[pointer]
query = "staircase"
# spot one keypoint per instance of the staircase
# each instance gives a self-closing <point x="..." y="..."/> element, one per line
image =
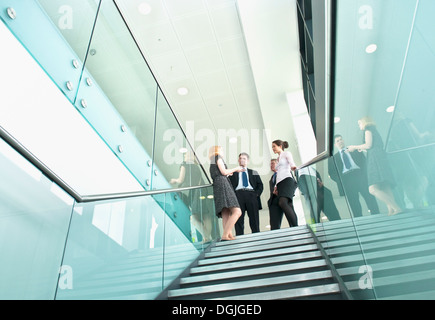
<point x="399" y="252"/>
<point x="279" y="264"/>
<point x="323" y="261"/>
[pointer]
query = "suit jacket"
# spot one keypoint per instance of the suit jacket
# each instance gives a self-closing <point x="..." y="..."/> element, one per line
<point x="254" y="180"/>
<point x="335" y="173"/>
<point x="271" y="188"/>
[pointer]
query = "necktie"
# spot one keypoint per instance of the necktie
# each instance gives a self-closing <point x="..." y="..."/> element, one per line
<point x="346" y="159"/>
<point x="245" y="179"/>
<point x="274" y="178"/>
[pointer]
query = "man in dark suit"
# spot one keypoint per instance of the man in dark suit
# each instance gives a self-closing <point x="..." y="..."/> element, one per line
<point x="275" y="211"/>
<point x="248" y="187"/>
<point x="351" y="170"/>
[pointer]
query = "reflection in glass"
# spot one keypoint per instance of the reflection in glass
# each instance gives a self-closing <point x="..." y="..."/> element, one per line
<point x="349" y="171"/>
<point x="391" y="85"/>
<point x="173" y="155"/>
<point x="34" y="219"/>
<point x="133" y="248"/>
<point x="318" y="197"/>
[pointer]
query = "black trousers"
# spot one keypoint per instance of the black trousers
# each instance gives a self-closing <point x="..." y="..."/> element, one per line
<point x="276" y="214"/>
<point x="248" y="202"/>
<point x="354" y="185"/>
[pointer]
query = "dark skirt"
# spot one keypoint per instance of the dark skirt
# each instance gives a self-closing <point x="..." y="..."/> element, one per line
<point x="286" y="188"/>
<point x="224" y="195"/>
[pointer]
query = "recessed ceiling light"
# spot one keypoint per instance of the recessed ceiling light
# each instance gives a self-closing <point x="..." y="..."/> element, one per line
<point x="337" y="119"/>
<point x="182" y="91"/>
<point x="144" y="8"/>
<point x="183" y="150"/>
<point x="371" y="48"/>
<point x="391" y="109"/>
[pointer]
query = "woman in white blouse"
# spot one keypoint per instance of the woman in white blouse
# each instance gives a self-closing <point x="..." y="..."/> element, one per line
<point x="285" y="185"/>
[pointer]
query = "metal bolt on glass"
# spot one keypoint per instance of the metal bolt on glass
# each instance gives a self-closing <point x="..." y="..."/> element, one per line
<point x="75" y="64"/>
<point x="11" y="13"/>
<point x="83" y="103"/>
<point x="69" y="86"/>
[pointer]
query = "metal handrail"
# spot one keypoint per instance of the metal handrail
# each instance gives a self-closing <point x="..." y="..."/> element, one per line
<point x="114" y="196"/>
<point x="23" y="151"/>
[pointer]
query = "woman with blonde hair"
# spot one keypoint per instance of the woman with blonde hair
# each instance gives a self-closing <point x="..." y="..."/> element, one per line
<point x="226" y="203"/>
<point x="379" y="173"/>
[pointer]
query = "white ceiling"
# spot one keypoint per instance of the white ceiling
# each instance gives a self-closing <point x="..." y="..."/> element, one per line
<point x="238" y="60"/>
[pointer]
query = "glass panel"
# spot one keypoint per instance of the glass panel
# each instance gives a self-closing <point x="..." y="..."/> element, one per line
<point x="386" y="85"/>
<point x="34" y="219"/>
<point x="41" y="119"/>
<point x="115" y="250"/>
<point x="74" y="19"/>
<point x="133" y="248"/>
<point x="175" y="164"/>
<point x="327" y="209"/>
<point x="123" y="89"/>
<point x="40" y="34"/>
<point x="181" y="248"/>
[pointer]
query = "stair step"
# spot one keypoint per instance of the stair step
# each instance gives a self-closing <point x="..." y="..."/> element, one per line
<point x="251" y="284"/>
<point x="258" y="254"/>
<point x="276" y="245"/>
<point x="255" y="262"/>
<point x="259" y="271"/>
<point x="249" y="238"/>
<point x="262" y="242"/>
<point x="313" y="291"/>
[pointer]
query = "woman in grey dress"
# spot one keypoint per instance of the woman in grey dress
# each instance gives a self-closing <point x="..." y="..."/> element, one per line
<point x="379" y="174"/>
<point x="226" y="203"/>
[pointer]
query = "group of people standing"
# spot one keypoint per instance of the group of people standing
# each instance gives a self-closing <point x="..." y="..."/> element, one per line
<point x="239" y="189"/>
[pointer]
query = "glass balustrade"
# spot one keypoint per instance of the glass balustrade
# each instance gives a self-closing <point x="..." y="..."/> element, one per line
<point x="34" y="220"/>
<point x="91" y="113"/>
<point x="380" y="181"/>
<point x="134" y="248"/>
<point x="55" y="248"/>
<point x="111" y="87"/>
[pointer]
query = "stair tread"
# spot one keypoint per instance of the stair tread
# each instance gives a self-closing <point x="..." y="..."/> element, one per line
<point x="288" y="293"/>
<point x="253" y="272"/>
<point x="282" y="280"/>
